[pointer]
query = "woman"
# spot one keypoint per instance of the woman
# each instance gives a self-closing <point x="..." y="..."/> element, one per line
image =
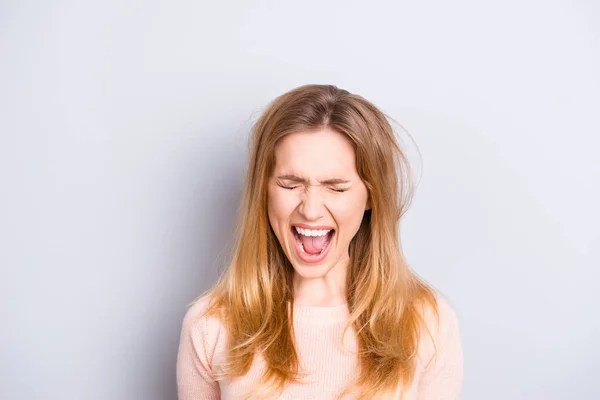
<point x="318" y="301"/>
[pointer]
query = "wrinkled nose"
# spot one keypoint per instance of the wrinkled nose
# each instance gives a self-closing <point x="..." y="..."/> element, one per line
<point x="312" y="205"/>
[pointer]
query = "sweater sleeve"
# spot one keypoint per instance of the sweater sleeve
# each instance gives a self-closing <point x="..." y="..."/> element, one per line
<point x="442" y="378"/>
<point x="194" y="358"/>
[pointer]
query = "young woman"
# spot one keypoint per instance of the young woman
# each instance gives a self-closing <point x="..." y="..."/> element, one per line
<point x="318" y="301"/>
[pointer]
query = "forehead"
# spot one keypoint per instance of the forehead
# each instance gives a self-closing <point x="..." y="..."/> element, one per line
<point x="315" y="154"/>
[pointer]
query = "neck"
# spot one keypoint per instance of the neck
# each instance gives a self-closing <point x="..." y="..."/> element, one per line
<point x="323" y="291"/>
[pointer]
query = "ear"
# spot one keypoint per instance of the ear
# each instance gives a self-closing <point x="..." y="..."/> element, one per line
<point x="368" y="206"/>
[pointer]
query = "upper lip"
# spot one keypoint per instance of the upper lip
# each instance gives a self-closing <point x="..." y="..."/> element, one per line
<point x="320" y="227"/>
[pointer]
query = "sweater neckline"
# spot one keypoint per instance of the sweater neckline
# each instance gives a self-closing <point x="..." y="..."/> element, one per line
<point x="321" y="314"/>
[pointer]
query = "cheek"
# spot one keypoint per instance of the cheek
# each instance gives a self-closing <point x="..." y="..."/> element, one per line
<point x="349" y="215"/>
<point x="280" y="207"/>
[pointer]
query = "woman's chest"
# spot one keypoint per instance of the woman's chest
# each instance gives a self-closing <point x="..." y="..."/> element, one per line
<point x="326" y="363"/>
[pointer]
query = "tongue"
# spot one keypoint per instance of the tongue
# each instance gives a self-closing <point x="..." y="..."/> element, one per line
<point x="313" y="244"/>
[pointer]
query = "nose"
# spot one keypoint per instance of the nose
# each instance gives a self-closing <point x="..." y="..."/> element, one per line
<point x="312" y="205"/>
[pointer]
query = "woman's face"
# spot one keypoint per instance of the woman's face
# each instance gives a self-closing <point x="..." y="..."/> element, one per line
<point x="316" y="200"/>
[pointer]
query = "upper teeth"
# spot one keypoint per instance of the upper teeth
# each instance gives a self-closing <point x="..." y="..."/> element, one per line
<point x="312" y="232"/>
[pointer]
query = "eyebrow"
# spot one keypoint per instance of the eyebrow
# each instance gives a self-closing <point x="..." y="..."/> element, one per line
<point x="294" y="178"/>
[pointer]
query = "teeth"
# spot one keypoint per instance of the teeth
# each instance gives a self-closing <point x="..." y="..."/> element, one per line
<point x="312" y="232"/>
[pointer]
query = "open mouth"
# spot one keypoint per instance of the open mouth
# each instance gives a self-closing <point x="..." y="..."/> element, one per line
<point x="312" y="245"/>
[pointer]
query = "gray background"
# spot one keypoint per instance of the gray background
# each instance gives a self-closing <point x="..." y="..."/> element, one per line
<point x="122" y="152"/>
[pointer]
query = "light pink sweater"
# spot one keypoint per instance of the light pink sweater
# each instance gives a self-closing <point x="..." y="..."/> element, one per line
<point x="331" y="368"/>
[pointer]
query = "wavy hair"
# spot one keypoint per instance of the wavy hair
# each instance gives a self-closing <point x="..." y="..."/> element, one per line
<point x="386" y="299"/>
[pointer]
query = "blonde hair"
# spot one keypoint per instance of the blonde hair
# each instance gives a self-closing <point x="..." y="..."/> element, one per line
<point x="386" y="299"/>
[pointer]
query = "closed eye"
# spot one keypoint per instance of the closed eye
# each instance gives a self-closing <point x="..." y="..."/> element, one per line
<point x="287" y="187"/>
<point x="294" y="187"/>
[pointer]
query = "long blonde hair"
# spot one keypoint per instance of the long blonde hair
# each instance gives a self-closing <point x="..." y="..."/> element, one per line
<point x="385" y="298"/>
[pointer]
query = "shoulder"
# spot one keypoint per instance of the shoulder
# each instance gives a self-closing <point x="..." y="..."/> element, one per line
<point x="197" y="316"/>
<point x="444" y="319"/>
<point x="441" y="335"/>
<point x="439" y="371"/>
<point x="203" y="330"/>
<point x="197" y="309"/>
<point x="200" y="343"/>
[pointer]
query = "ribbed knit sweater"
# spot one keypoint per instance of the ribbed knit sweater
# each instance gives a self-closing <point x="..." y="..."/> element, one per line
<point x="330" y="367"/>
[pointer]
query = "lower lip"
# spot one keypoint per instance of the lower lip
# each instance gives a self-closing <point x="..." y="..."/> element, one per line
<point x="307" y="258"/>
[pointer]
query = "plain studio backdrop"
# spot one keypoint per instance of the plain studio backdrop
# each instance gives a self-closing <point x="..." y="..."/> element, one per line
<point x="123" y="130"/>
